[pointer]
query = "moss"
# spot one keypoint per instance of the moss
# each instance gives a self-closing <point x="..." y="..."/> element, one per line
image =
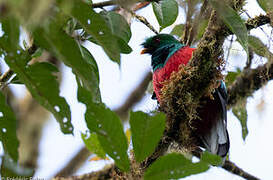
<point x="181" y="95"/>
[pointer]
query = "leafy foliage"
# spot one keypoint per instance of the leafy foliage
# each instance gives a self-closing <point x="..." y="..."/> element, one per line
<point x="174" y="166"/>
<point x="178" y="30"/>
<point x="43" y="85"/>
<point x="202" y="25"/>
<point x="233" y="21"/>
<point x="241" y="113"/>
<point x="258" y="47"/>
<point x="119" y="26"/>
<point x="8" y="129"/>
<point x="108" y="128"/>
<point x="53" y="39"/>
<point x="100" y="29"/>
<point x="211" y="159"/>
<point x="266" y="5"/>
<point x="38" y="78"/>
<point x="93" y="145"/>
<point x="146" y="133"/>
<point x="166" y="12"/>
<point x="231" y="76"/>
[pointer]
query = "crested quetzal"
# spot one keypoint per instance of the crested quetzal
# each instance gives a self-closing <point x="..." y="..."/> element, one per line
<point x="167" y="55"/>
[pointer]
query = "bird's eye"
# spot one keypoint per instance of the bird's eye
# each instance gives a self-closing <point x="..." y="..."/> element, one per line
<point x="157" y="40"/>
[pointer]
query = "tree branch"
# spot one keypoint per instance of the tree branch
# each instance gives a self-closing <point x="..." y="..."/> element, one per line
<point x="135" y="96"/>
<point x="5" y="77"/>
<point x="248" y="82"/>
<point x="112" y="172"/>
<point x="257" y="21"/>
<point x="75" y="163"/>
<point x="231" y="167"/>
<point x="104" y="3"/>
<point x="108" y="172"/>
<point x="114" y="2"/>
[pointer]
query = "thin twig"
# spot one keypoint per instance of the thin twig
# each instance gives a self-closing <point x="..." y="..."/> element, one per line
<point x="230" y="46"/>
<point x="188" y="25"/>
<point x="140" y="6"/>
<point x="250" y="58"/>
<point x="144" y="21"/>
<point x="197" y="21"/>
<point x="75" y="163"/>
<point x="6" y="76"/>
<point x="112" y="172"/>
<point x="114" y="2"/>
<point x="134" y="97"/>
<point x="230" y="167"/>
<point x="103" y="4"/>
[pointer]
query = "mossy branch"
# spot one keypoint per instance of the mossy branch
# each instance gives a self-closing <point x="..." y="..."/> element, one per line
<point x="248" y="82"/>
<point x="112" y="172"/>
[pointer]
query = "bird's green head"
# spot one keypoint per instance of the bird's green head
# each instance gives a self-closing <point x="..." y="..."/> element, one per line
<point x="155" y="42"/>
<point x="161" y="47"/>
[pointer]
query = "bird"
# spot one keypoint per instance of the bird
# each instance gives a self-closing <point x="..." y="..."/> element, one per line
<point x="167" y="54"/>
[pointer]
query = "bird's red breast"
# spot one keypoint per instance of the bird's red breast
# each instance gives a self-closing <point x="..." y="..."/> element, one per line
<point x="182" y="56"/>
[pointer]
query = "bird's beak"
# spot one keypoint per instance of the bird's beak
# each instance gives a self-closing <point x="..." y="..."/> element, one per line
<point x="145" y="50"/>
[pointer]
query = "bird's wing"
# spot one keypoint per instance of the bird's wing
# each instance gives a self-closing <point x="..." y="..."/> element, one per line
<point x="216" y="139"/>
<point x="154" y="96"/>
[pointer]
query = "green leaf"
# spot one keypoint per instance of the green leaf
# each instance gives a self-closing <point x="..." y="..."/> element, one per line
<point x="202" y="25"/>
<point x="231" y="76"/>
<point x="173" y="166"/>
<point x="93" y="145"/>
<point x="40" y="80"/>
<point x="10" y="39"/>
<point x="108" y="127"/>
<point x="119" y="26"/>
<point x="87" y="56"/>
<point x="37" y="53"/>
<point x="15" y="80"/>
<point x="233" y="21"/>
<point x="12" y="169"/>
<point x="166" y="12"/>
<point x="124" y="48"/>
<point x="259" y="47"/>
<point x="241" y="113"/>
<point x="178" y="30"/>
<point x="8" y="129"/>
<point x="266" y="5"/>
<point x="98" y="27"/>
<point x="72" y="54"/>
<point x="146" y="133"/>
<point x="212" y="159"/>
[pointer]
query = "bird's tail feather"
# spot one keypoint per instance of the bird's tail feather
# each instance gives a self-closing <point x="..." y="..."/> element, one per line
<point x="217" y="140"/>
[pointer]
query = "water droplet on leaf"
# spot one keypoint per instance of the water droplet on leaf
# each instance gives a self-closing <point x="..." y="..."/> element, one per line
<point x="57" y="108"/>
